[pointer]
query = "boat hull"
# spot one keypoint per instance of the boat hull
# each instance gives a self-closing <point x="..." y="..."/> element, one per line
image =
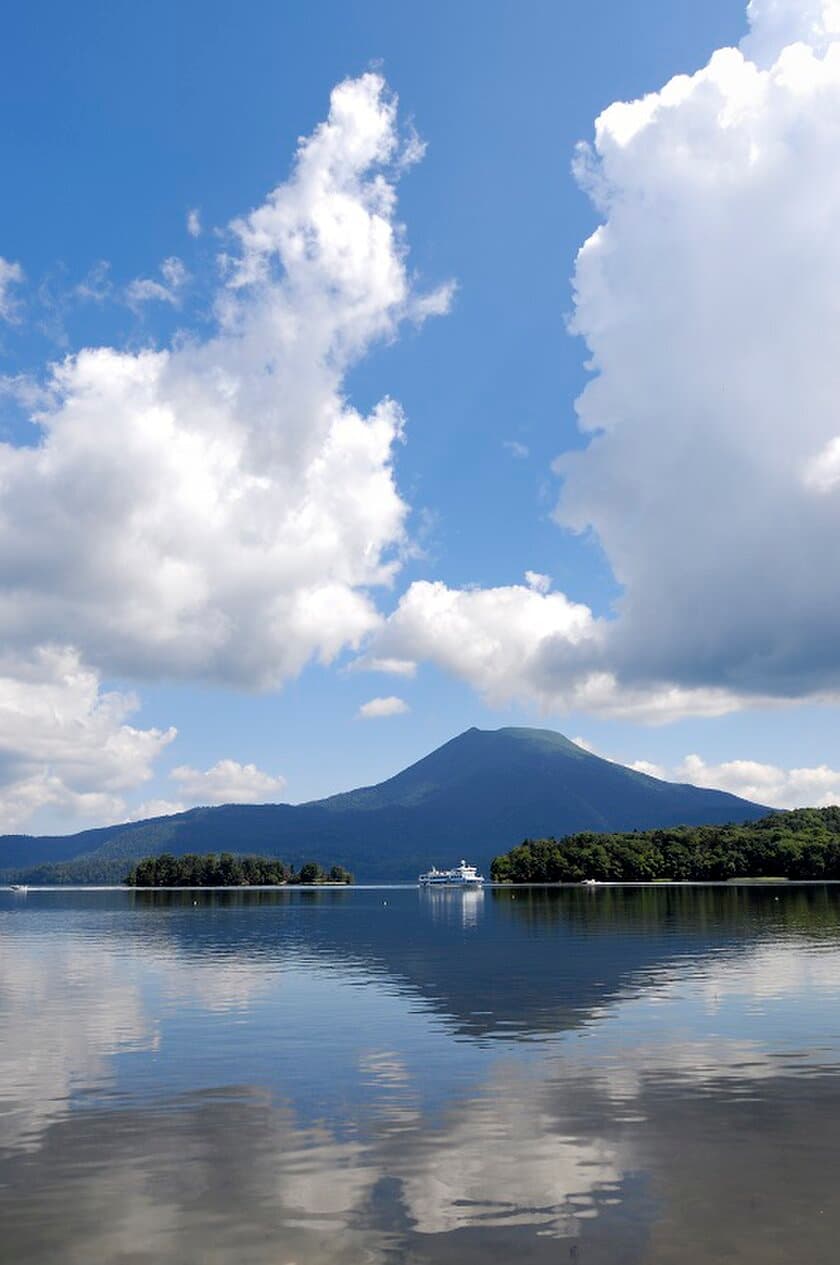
<point x="462" y="875"/>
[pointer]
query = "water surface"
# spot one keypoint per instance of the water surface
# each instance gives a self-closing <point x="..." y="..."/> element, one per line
<point x="622" y="1075"/>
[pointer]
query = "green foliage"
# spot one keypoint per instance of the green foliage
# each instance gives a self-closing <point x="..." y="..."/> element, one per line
<point x="481" y="792"/>
<point x="227" y="870"/>
<point x="82" y="871"/>
<point x="803" y="844"/>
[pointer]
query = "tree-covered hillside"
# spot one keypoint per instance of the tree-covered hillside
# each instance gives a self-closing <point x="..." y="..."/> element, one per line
<point x="474" y="796"/>
<point x="803" y="844"/>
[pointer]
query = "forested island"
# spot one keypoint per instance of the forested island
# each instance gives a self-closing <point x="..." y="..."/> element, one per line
<point x="802" y="844"/>
<point x="225" y="869"/>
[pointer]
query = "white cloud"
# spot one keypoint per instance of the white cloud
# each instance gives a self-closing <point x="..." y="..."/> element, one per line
<point x="227" y="782"/>
<point x="376" y="708"/>
<point x="435" y="303"/>
<point x="174" y="272"/>
<point x="393" y="667"/>
<point x="11" y="275"/>
<point x="490" y="637"/>
<point x="768" y="784"/>
<point x="194" y="222"/>
<point x="146" y="290"/>
<point x="64" y="744"/>
<point x="774" y="24"/>
<point x="218" y="510"/>
<point x="537" y="581"/>
<point x="524" y="643"/>
<point x="155" y="808"/>
<point x="707" y="299"/>
<point x="513" y="446"/>
<point x="764" y="783"/>
<point x="96" y="285"/>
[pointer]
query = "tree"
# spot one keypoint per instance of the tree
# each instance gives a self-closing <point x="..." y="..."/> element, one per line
<point x="311" y="872"/>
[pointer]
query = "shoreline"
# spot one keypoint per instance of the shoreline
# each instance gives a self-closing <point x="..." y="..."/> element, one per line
<point x="408" y="886"/>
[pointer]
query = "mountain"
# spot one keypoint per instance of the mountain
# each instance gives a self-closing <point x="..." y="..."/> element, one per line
<point x="476" y="796"/>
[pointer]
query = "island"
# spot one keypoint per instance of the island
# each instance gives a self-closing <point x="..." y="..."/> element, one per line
<point x="226" y="869"/>
<point x="800" y="844"/>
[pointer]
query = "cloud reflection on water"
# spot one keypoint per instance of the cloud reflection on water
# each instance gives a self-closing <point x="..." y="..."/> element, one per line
<point x="686" y="1115"/>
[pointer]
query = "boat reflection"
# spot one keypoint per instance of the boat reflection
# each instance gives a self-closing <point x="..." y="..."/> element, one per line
<point x="452" y="905"/>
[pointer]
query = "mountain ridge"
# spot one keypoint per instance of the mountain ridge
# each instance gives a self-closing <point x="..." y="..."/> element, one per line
<point x="478" y="794"/>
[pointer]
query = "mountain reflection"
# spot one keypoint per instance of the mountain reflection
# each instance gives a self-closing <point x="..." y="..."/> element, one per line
<point x="625" y="1075"/>
<point x="529" y="962"/>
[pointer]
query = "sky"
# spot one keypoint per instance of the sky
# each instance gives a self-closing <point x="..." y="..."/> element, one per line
<point x="372" y="371"/>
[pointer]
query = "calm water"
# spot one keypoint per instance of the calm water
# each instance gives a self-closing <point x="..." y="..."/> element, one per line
<point x="618" y="1075"/>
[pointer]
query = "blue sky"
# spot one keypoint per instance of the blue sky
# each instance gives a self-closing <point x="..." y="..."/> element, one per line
<point x="124" y="120"/>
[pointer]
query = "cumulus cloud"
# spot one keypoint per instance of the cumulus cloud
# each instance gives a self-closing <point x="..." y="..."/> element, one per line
<point x="227" y="782"/>
<point x="769" y="784"/>
<point x="194" y="222"/>
<point x="377" y="708"/>
<point x="11" y="275"/>
<point x="218" y="510"/>
<point x="526" y="643"/>
<point x="707" y="300"/>
<point x="64" y="743"/>
<point x="492" y="638"/>
<point x="765" y="783"/>
<point x="775" y="24"/>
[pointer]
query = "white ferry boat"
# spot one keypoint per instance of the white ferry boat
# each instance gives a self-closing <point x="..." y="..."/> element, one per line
<point x="463" y="875"/>
<point x="18" y="887"/>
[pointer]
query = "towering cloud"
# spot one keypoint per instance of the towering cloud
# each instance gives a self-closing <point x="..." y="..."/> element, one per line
<point x="218" y="509"/>
<point x="215" y="510"/>
<point x="707" y="297"/>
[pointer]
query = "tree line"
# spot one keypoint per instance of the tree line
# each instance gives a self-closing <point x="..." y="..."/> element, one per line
<point x="225" y="869"/>
<point x="802" y="844"/>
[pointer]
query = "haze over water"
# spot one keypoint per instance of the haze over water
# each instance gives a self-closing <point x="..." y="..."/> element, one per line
<point x="617" y="1075"/>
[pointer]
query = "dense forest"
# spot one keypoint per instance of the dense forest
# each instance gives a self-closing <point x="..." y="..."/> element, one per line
<point x="803" y="844"/>
<point x="84" y="871"/>
<point x="225" y="869"/>
<point x="483" y="791"/>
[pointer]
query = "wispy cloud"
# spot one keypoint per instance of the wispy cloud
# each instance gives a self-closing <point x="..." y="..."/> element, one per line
<point x="11" y="276"/>
<point x="516" y="449"/>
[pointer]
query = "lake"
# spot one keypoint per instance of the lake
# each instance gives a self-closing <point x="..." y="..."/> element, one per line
<point x="617" y="1075"/>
